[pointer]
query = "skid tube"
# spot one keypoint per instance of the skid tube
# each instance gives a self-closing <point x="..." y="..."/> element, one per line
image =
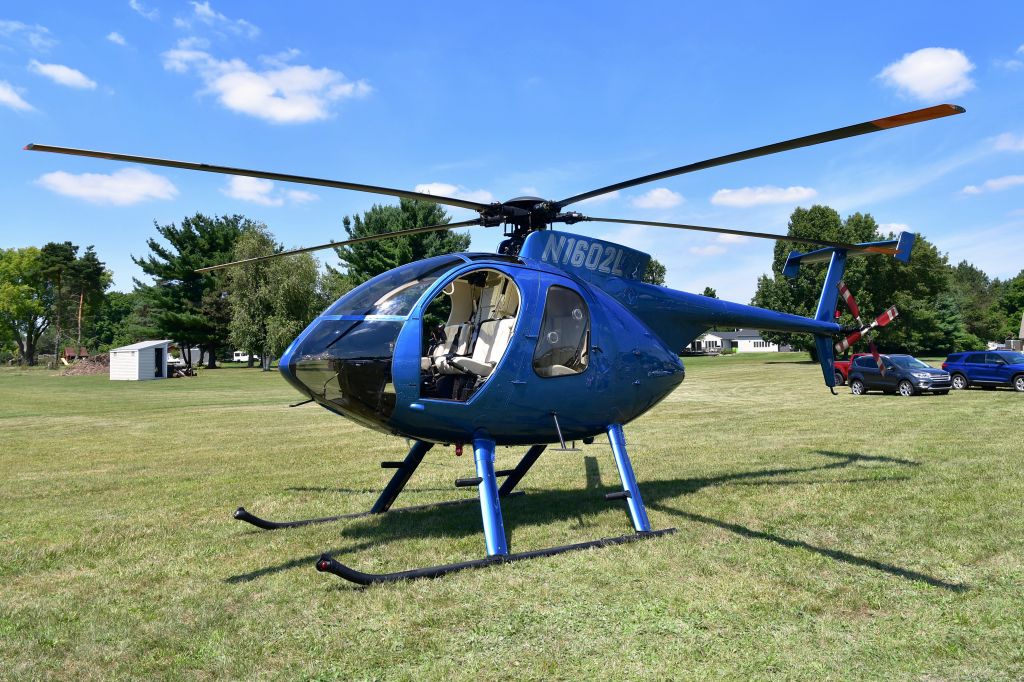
<point x="242" y="515"/>
<point x="328" y="564"/>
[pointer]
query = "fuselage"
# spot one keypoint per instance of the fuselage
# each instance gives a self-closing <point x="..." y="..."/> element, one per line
<point x="367" y="357"/>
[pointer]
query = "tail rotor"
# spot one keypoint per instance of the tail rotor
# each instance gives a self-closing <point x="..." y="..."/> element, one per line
<point x="862" y="330"/>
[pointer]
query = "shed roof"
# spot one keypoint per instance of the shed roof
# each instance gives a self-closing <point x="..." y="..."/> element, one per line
<point x="142" y="345"/>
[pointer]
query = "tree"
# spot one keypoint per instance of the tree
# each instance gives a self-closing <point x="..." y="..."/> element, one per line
<point x="192" y="308"/>
<point x="710" y="293"/>
<point x="272" y="301"/>
<point x="56" y="260"/>
<point x="1009" y="308"/>
<point x="88" y="279"/>
<point x="367" y="260"/>
<point x="975" y="295"/>
<point x="249" y="291"/>
<point x="655" y="273"/>
<point x="24" y="301"/>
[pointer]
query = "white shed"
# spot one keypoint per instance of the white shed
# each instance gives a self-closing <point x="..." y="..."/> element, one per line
<point x="139" y="361"/>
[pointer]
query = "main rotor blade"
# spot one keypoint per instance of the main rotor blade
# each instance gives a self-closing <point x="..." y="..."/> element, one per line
<point x="918" y="116"/>
<point x="347" y="242"/>
<point x="283" y="177"/>
<point x="887" y="250"/>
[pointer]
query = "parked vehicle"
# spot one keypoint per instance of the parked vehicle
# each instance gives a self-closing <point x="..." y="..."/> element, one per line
<point x="989" y="369"/>
<point x="904" y="374"/>
<point x="842" y="368"/>
<point x="242" y="356"/>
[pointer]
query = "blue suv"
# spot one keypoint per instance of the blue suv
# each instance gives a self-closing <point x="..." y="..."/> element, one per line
<point x="986" y="368"/>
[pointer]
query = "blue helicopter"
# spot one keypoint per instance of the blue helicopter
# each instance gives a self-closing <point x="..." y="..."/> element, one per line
<point x="551" y="340"/>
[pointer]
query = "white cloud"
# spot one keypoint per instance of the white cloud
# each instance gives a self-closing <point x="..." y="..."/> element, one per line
<point x="1010" y="142"/>
<point x="63" y="75"/>
<point x="732" y="238"/>
<point x="893" y="227"/>
<point x="10" y="98"/>
<point x="1010" y="64"/>
<point x="443" y="189"/>
<point x="152" y="15"/>
<point x="529" y="191"/>
<point x="659" y="197"/>
<point x="1020" y="50"/>
<point x="930" y="74"/>
<point x="203" y="12"/>
<point x="768" y="194"/>
<point x="292" y="94"/>
<point x="116" y="38"/>
<point x="298" y="196"/>
<point x="995" y="184"/>
<point x="709" y="250"/>
<point x="255" y="190"/>
<point x="37" y="37"/>
<point x="601" y="198"/>
<point x="121" y="188"/>
<point x="264" y="192"/>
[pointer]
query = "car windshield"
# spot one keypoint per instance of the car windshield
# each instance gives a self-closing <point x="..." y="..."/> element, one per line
<point x="1013" y="358"/>
<point x="908" y="362"/>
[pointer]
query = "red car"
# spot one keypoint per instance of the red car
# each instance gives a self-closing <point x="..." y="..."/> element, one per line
<point x="842" y="368"/>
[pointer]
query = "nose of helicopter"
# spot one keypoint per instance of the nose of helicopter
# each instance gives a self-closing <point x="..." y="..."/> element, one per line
<point x="345" y="365"/>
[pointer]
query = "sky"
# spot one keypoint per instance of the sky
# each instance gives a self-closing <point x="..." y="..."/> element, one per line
<point x="488" y="102"/>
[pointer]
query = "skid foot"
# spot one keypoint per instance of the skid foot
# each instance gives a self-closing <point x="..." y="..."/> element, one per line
<point x="328" y="564"/>
<point x="242" y="515"/>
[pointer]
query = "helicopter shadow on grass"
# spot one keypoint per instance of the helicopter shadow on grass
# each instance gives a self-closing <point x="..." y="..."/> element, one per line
<point x="540" y="507"/>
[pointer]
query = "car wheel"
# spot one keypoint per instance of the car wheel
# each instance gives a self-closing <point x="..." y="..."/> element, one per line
<point x="1018" y="383"/>
<point x="840" y="379"/>
<point x="960" y="382"/>
<point x="906" y="388"/>
<point x="857" y="387"/>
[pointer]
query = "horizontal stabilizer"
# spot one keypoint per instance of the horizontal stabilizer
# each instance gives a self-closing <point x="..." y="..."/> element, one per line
<point x="898" y="248"/>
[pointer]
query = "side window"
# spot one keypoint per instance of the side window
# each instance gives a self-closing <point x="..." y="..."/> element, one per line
<point x="563" y="347"/>
<point x="975" y="358"/>
<point x="864" y="361"/>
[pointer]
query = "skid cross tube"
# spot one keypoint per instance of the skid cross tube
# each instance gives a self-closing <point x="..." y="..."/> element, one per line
<point x="401" y="477"/>
<point x="528" y="460"/>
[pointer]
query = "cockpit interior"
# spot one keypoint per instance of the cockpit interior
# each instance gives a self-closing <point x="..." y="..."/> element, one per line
<point x="466" y="330"/>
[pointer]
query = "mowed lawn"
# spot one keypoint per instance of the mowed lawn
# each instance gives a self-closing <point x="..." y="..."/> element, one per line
<point x="819" y="536"/>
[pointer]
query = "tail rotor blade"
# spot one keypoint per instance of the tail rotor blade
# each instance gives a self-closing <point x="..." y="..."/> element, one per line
<point x="853" y="338"/>
<point x="886" y="317"/>
<point x="877" y="357"/>
<point x="850" y="301"/>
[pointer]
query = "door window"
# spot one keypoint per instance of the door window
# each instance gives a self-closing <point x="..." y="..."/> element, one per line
<point x="564" y="343"/>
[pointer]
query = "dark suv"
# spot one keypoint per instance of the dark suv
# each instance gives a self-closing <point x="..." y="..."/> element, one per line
<point x="986" y="368"/>
<point x="904" y="374"/>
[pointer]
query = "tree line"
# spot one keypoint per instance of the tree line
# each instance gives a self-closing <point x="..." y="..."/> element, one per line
<point x="55" y="296"/>
<point x="943" y="308"/>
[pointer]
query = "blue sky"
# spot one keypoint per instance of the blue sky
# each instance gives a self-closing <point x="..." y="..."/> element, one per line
<point x="491" y="102"/>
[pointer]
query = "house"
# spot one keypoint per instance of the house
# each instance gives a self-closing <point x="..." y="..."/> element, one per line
<point x="139" y="361"/>
<point x="742" y="340"/>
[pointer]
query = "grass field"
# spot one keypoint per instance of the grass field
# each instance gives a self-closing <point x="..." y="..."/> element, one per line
<point x="818" y="537"/>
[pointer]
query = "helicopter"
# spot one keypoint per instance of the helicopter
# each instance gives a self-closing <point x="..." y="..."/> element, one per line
<point x="553" y="339"/>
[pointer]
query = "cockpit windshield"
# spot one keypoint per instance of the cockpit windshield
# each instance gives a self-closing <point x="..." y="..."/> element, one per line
<point x="396" y="291"/>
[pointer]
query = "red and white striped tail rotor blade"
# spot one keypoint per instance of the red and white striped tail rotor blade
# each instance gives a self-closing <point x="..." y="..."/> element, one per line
<point x="850" y="301"/>
<point x="877" y="357"/>
<point x="886" y="317"/>
<point x="843" y="345"/>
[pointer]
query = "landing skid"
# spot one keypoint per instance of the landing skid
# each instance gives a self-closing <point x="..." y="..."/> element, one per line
<point x="328" y="564"/>
<point x="490" y="496"/>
